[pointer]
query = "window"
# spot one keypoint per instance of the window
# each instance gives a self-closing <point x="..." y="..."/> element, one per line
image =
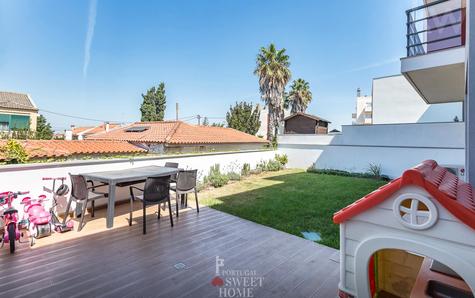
<point x="4" y="126"/>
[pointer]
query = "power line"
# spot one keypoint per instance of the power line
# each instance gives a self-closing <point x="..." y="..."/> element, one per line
<point x="77" y="117"/>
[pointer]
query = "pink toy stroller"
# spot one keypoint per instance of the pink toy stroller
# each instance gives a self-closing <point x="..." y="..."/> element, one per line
<point x="38" y="218"/>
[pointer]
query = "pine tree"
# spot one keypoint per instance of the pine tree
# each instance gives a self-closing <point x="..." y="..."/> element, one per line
<point x="43" y="129"/>
<point x="244" y="117"/>
<point x="160" y="102"/>
<point x="154" y="104"/>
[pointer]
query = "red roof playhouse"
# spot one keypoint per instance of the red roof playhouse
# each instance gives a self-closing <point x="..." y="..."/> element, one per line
<point x="413" y="237"/>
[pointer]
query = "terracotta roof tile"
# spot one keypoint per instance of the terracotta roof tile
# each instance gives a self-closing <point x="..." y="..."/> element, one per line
<point x="155" y="132"/>
<point x="176" y="133"/>
<point x="89" y="130"/>
<point x="452" y="193"/>
<point x="12" y="100"/>
<point x="62" y="148"/>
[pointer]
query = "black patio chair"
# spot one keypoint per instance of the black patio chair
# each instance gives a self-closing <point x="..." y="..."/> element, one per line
<point x="82" y="194"/>
<point x="156" y="191"/>
<point x="185" y="184"/>
<point x="172" y="165"/>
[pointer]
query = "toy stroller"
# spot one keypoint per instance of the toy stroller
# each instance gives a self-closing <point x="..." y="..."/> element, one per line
<point x="63" y="190"/>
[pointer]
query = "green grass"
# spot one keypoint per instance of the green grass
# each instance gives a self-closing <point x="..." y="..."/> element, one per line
<point x="291" y="200"/>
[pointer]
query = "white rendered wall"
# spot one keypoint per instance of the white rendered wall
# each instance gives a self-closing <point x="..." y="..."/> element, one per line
<point x="396" y="147"/>
<point x="29" y="177"/>
<point x="396" y="101"/>
<point x="363" y="104"/>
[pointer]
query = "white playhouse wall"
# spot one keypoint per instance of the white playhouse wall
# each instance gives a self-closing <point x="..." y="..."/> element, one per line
<point x="449" y="241"/>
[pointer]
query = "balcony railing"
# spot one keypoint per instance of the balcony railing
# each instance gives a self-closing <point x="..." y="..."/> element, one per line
<point x="435" y="26"/>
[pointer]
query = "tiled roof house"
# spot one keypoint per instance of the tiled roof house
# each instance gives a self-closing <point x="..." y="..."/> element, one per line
<point x="17" y="111"/>
<point x="178" y="136"/>
<point x="84" y="131"/>
<point x="44" y="149"/>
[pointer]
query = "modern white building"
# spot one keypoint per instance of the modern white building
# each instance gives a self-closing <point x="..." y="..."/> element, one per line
<point x="394" y="101"/>
<point x="364" y="109"/>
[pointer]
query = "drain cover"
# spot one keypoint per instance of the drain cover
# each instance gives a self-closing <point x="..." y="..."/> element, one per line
<point x="179" y="266"/>
<point x="312" y="236"/>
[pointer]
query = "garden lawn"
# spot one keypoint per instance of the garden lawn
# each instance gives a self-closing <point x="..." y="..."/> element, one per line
<point x="292" y="201"/>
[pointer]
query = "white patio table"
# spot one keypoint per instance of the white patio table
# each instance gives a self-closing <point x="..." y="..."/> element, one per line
<point x="117" y="177"/>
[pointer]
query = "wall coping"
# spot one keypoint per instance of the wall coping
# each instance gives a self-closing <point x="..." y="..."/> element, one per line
<point x="38" y="166"/>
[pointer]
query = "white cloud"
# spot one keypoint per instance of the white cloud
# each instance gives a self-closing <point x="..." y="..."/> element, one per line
<point x="89" y="35"/>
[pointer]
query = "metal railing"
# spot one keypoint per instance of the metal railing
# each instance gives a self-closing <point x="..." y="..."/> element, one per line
<point x="435" y="26"/>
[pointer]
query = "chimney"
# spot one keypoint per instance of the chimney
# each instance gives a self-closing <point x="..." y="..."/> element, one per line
<point x="107" y="127"/>
<point x="68" y="135"/>
<point x="358" y="92"/>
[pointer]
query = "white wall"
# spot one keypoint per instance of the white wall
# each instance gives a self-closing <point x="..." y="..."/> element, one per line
<point x="29" y="177"/>
<point x="362" y="104"/>
<point x="396" y="101"/>
<point x="395" y="147"/>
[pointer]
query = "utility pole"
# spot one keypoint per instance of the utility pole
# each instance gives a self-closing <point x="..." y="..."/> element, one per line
<point x="176" y="109"/>
<point x="199" y="119"/>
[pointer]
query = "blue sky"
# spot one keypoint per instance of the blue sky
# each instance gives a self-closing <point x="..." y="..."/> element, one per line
<point x="94" y="58"/>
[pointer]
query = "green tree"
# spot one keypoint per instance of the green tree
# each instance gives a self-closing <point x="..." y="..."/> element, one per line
<point x="154" y="104"/>
<point x="205" y="121"/>
<point x="244" y="117"/>
<point x="217" y="124"/>
<point x="272" y="68"/>
<point x="160" y="101"/>
<point x="43" y="129"/>
<point x="298" y="97"/>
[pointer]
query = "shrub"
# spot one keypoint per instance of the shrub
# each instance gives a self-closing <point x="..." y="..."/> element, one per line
<point x="246" y="169"/>
<point x="14" y="152"/>
<point x="215" y="177"/>
<point x="312" y="169"/>
<point x="283" y="159"/>
<point x="375" y="170"/>
<point x="233" y="176"/>
<point x="270" y="165"/>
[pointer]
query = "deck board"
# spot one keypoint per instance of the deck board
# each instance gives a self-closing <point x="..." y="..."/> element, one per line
<point x="121" y="262"/>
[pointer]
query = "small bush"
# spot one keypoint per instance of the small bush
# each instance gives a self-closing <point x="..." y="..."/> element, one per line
<point x="271" y="165"/>
<point x="312" y="169"/>
<point x="375" y="170"/>
<point x="14" y="152"/>
<point x="256" y="171"/>
<point x="283" y="159"/>
<point x="246" y="170"/>
<point x="233" y="176"/>
<point x="215" y="177"/>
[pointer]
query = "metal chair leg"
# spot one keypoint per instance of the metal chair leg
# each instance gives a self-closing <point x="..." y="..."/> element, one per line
<point x="92" y="207"/>
<point x="83" y="214"/>
<point x="158" y="217"/>
<point x="196" y="198"/>
<point x="131" y="210"/>
<point x="178" y="196"/>
<point x="68" y="207"/>
<point x="170" y="211"/>
<point x="144" y="220"/>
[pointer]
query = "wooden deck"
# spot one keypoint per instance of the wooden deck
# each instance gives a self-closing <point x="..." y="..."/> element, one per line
<point x="168" y="262"/>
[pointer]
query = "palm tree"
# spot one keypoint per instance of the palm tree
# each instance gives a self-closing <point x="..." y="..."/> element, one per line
<point x="299" y="96"/>
<point x="272" y="67"/>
